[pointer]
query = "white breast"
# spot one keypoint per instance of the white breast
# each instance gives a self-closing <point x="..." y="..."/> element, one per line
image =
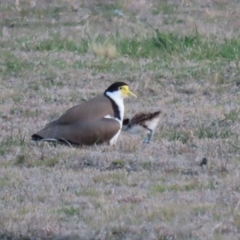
<point x="136" y="129"/>
<point x="152" y="124"/>
<point x="117" y="98"/>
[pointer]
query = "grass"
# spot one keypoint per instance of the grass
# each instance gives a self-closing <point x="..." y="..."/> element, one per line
<point x="176" y="187"/>
<point x="70" y="211"/>
<point x="179" y="136"/>
<point x="12" y="65"/>
<point x="177" y="58"/>
<point x="163" y="7"/>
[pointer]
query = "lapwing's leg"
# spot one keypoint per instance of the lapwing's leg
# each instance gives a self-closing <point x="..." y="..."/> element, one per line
<point x="150" y="135"/>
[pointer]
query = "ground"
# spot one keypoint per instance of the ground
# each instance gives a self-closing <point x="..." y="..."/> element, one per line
<point x="180" y="57"/>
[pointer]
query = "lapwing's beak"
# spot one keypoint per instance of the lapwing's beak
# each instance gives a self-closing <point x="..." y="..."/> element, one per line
<point x="126" y="92"/>
<point x="131" y="94"/>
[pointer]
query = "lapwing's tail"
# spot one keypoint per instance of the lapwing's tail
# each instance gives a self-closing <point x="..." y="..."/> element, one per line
<point x="36" y="137"/>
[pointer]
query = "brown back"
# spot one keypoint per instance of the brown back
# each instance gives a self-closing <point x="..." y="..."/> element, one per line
<point x="84" y="112"/>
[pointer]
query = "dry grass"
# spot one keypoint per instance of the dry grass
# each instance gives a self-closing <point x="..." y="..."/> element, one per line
<point x="50" y="62"/>
<point x="105" y="49"/>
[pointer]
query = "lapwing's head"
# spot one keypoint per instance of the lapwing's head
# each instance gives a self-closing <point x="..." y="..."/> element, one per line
<point x="119" y="90"/>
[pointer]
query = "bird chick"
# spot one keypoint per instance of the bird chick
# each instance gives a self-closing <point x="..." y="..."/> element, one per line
<point x="142" y="123"/>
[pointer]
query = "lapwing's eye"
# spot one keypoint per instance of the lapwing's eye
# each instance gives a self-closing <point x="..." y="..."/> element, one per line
<point x="120" y="88"/>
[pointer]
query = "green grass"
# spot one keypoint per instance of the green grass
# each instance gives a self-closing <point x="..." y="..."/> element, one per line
<point x="163" y="7"/>
<point x="89" y="192"/>
<point x="116" y="178"/>
<point x="161" y="48"/>
<point x="57" y="43"/>
<point x="8" y="142"/>
<point x="118" y="163"/>
<point x="213" y="131"/>
<point x="175" y="187"/>
<point x="176" y="135"/>
<point x="70" y="211"/>
<point x="12" y="65"/>
<point x="232" y="115"/>
<point x="23" y="160"/>
<point x="160" y="45"/>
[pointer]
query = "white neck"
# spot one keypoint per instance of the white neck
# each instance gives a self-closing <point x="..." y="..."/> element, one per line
<point x="118" y="99"/>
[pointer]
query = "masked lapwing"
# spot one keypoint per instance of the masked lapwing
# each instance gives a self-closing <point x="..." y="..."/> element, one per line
<point x="98" y="120"/>
<point x="142" y="123"/>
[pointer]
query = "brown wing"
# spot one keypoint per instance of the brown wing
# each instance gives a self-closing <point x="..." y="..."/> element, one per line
<point x="83" y="133"/>
<point x="95" y="108"/>
<point x="142" y="117"/>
